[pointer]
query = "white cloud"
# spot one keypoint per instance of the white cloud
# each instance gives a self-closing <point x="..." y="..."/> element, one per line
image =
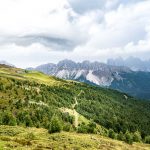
<point x="29" y="17"/>
<point x="39" y="31"/>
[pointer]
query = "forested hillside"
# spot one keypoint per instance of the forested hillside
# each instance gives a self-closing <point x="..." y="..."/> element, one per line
<point x="134" y="83"/>
<point x="32" y="99"/>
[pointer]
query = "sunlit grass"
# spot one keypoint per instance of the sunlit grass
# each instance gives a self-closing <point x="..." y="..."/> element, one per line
<point x="33" y="138"/>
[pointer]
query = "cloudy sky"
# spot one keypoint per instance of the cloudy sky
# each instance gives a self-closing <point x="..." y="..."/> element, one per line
<point x="34" y="32"/>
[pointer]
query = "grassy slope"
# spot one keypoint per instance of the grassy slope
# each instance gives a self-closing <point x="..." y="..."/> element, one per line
<point x="19" y="138"/>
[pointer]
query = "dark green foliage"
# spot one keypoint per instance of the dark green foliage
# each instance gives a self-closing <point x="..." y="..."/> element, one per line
<point x="137" y="137"/>
<point x="147" y="139"/>
<point x="55" y="125"/>
<point x="111" y="134"/>
<point x="92" y="127"/>
<point x="28" y="121"/>
<point x="112" y="110"/>
<point x="128" y="137"/>
<point x="134" y="83"/>
<point x="121" y="136"/>
<point x="83" y="128"/>
<point x="21" y="104"/>
<point x="66" y="117"/>
<point x="67" y="127"/>
<point x="87" y="128"/>
<point x="8" y="119"/>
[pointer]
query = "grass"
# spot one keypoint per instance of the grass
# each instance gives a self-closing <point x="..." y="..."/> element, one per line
<point x="36" y="76"/>
<point x="40" y="139"/>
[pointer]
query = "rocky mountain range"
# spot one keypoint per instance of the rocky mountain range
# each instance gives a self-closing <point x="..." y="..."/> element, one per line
<point x="94" y="73"/>
<point x="121" y="78"/>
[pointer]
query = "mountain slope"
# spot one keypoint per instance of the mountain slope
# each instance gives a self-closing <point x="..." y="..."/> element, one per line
<point x="136" y="84"/>
<point x="30" y="98"/>
<point x="99" y="74"/>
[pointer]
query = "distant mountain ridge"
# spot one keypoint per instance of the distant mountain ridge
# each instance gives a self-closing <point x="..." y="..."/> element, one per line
<point x="93" y="72"/>
<point x="120" y="78"/>
<point x="133" y="63"/>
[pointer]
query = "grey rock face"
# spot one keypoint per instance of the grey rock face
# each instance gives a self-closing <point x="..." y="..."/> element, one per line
<point x="93" y="72"/>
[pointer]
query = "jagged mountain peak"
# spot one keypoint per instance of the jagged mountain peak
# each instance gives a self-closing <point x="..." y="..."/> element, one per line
<point x="86" y="71"/>
<point x="66" y="63"/>
<point x="48" y="65"/>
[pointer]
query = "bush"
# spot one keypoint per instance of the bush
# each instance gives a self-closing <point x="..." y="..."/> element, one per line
<point x="121" y="136"/>
<point x="28" y="121"/>
<point x="101" y="131"/>
<point x="128" y="137"/>
<point x="137" y="136"/>
<point x="91" y="127"/>
<point x="8" y="119"/>
<point x="55" y="125"/>
<point x="111" y="134"/>
<point x="147" y="139"/>
<point x="12" y="121"/>
<point x="67" y="127"/>
<point x="82" y="128"/>
<point x="87" y="128"/>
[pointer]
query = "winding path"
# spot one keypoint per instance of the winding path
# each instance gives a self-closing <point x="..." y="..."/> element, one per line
<point x="75" y="113"/>
<point x="73" y="110"/>
<point x="76" y="116"/>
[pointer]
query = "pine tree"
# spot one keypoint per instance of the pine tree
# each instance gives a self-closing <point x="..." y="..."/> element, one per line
<point x="12" y="121"/>
<point x="28" y="121"/>
<point x="147" y="139"/>
<point x="121" y="136"/>
<point x="128" y="137"/>
<point x="55" y="125"/>
<point x="111" y="134"/>
<point x="91" y="127"/>
<point x="137" y="136"/>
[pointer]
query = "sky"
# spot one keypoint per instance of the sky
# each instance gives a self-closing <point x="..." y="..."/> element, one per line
<point x="34" y="32"/>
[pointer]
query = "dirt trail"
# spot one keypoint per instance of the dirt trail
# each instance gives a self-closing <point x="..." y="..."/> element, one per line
<point x="73" y="110"/>
<point x="76" y="116"/>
